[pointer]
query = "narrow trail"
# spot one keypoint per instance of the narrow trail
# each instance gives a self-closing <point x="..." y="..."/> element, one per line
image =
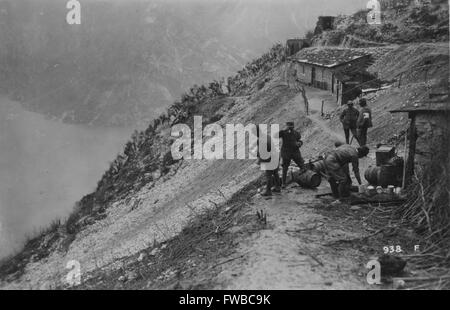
<point x="315" y="105"/>
<point x="292" y="252"/>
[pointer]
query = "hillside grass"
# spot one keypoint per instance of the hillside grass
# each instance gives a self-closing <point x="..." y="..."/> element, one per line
<point x="146" y="157"/>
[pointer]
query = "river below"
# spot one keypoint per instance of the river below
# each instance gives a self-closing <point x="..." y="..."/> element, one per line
<point x="45" y="167"/>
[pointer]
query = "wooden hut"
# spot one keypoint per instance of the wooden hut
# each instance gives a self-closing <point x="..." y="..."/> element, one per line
<point x="428" y="133"/>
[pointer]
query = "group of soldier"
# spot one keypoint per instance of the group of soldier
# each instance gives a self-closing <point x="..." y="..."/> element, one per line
<point x="357" y="122"/>
<point x="335" y="163"/>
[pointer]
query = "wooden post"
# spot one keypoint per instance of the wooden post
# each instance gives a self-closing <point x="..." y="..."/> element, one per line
<point x="404" y="164"/>
<point x="322" y="108"/>
<point x="412" y="151"/>
<point x="400" y="80"/>
<point x="286" y="68"/>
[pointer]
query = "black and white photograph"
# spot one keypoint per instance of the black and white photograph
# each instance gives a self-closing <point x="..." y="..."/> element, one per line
<point x="224" y="151"/>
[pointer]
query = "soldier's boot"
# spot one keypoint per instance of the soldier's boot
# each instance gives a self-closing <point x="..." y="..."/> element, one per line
<point x="276" y="181"/>
<point x="344" y="190"/>
<point x="284" y="177"/>
<point x="276" y="189"/>
<point x="267" y="192"/>
<point x="334" y="189"/>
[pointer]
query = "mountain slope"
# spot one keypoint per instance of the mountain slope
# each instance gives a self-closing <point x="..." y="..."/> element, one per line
<point x="148" y="203"/>
<point x="108" y="227"/>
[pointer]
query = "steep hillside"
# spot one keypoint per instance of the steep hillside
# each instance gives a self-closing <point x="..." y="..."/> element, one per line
<point x="147" y="201"/>
<point x="427" y="23"/>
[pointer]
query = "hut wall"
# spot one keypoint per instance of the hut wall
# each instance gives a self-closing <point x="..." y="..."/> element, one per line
<point x="433" y="138"/>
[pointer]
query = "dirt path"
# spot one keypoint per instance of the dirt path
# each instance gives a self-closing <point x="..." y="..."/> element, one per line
<point x="292" y="252"/>
<point x="315" y="98"/>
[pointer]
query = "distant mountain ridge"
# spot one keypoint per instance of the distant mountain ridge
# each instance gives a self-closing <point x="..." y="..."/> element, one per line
<point x="128" y="60"/>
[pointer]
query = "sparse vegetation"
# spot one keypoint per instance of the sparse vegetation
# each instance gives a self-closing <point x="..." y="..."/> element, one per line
<point x="428" y="212"/>
<point x="240" y="83"/>
<point x="146" y="158"/>
<point x="36" y="248"/>
<point x="410" y="24"/>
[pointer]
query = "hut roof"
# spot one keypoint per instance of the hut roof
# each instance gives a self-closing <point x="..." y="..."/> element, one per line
<point x="328" y="57"/>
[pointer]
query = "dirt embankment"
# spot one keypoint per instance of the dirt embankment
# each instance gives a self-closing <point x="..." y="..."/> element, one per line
<point x="400" y="25"/>
<point x="197" y="227"/>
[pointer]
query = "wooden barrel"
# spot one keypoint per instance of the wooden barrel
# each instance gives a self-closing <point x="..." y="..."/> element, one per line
<point x="308" y="179"/>
<point x="319" y="167"/>
<point x="372" y="175"/>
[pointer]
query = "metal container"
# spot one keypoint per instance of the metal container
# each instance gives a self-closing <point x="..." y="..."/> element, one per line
<point x="384" y="176"/>
<point x="308" y="178"/>
<point x="390" y="189"/>
<point x="384" y="153"/>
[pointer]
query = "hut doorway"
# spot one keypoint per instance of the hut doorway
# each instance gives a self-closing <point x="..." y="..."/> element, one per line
<point x="332" y="83"/>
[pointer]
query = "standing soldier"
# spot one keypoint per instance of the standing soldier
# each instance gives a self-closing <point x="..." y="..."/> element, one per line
<point x="337" y="168"/>
<point x="272" y="176"/>
<point x="364" y="121"/>
<point x="290" y="150"/>
<point x="349" y="118"/>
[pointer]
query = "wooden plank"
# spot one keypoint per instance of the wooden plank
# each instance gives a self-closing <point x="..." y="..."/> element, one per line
<point x="412" y="137"/>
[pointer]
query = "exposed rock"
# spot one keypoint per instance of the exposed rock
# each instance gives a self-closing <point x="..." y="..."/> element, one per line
<point x="154" y="252"/>
<point x="141" y="257"/>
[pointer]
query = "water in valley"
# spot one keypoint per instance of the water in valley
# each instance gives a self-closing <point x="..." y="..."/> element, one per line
<point x="45" y="167"/>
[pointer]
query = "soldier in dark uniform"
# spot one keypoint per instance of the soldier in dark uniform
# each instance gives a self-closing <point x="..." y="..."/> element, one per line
<point x="290" y="149"/>
<point x="348" y="118"/>
<point x="364" y="121"/>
